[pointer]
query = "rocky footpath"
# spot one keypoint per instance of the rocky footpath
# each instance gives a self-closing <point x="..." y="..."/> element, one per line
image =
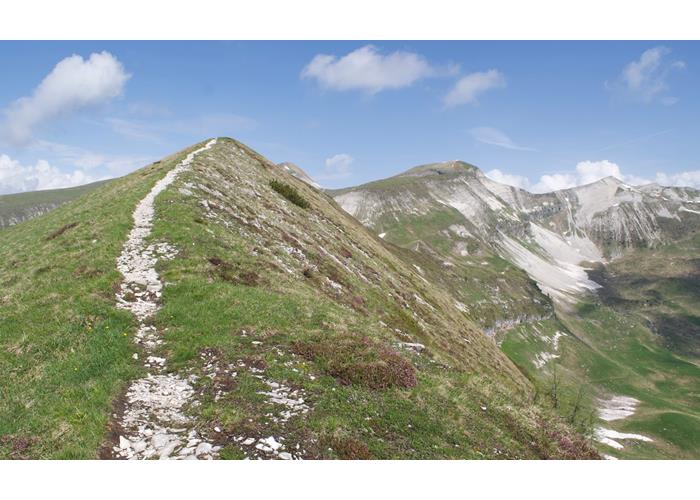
<point x="154" y="422"/>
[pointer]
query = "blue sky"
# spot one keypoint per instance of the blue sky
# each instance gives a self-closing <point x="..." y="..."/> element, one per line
<point x="541" y="115"/>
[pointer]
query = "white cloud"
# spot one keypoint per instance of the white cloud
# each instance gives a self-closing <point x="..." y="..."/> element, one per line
<point x="587" y="172"/>
<point x="469" y="87"/>
<point x="646" y="78"/>
<point x="15" y="177"/>
<point x="368" y="70"/>
<point x="494" y="137"/>
<point x="591" y="171"/>
<point x="73" y="84"/>
<point x="337" y="167"/>
<point x="511" y="179"/>
<point x="690" y="178"/>
<point x="554" y="182"/>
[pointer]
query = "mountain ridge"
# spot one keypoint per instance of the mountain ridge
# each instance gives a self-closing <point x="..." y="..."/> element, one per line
<point x="301" y="333"/>
<point x="599" y="219"/>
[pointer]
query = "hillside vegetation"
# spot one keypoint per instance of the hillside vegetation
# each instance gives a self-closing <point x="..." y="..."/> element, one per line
<point x="300" y="329"/>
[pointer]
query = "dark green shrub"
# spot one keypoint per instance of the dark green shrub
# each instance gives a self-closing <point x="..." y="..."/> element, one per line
<point x="290" y="193"/>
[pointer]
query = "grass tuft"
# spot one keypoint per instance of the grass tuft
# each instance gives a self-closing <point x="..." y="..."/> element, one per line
<point x="354" y="360"/>
<point x="349" y="448"/>
<point x="58" y="232"/>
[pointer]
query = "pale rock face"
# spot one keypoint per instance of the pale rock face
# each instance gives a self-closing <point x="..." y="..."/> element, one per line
<point x="297" y="172"/>
<point x="551" y="236"/>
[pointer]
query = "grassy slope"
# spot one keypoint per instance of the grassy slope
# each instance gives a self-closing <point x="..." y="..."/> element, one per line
<point x="649" y="285"/>
<point x="616" y="353"/>
<point x="22" y="206"/>
<point x="248" y="309"/>
<point x="662" y="286"/>
<point x="65" y="350"/>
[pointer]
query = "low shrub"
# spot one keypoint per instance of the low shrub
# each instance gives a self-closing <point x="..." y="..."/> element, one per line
<point x="290" y="193"/>
<point x="349" y="448"/>
<point x="229" y="273"/>
<point x="352" y="359"/>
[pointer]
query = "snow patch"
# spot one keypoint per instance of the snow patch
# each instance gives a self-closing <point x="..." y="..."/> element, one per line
<point x="611" y="437"/>
<point x="617" y="408"/>
<point x="562" y="280"/>
<point x="683" y="209"/>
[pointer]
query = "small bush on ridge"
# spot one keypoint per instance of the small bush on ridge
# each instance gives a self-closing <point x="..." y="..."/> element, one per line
<point x="290" y="193"/>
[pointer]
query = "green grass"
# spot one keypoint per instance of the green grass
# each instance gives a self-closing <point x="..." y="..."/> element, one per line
<point x="65" y="350"/>
<point x="616" y="353"/>
<point x="662" y="287"/>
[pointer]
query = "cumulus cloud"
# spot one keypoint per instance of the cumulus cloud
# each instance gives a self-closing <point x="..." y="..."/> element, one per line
<point x="368" y="70"/>
<point x="690" y="178"/>
<point x="511" y="179"/>
<point x="494" y="137"/>
<point x="15" y="177"/>
<point x="73" y="84"/>
<point x="646" y="78"/>
<point x="587" y="172"/>
<point x="337" y="167"/>
<point x="469" y="87"/>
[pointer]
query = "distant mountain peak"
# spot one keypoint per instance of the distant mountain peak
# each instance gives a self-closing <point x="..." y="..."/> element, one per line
<point x="441" y="168"/>
<point x="299" y="173"/>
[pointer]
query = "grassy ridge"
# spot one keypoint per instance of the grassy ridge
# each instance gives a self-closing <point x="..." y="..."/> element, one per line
<point x="242" y="293"/>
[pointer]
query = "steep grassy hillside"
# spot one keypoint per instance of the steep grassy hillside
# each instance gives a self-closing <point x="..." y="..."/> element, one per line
<point x="624" y="330"/>
<point x="662" y="286"/>
<point x="299" y="329"/>
<point x="15" y="208"/>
